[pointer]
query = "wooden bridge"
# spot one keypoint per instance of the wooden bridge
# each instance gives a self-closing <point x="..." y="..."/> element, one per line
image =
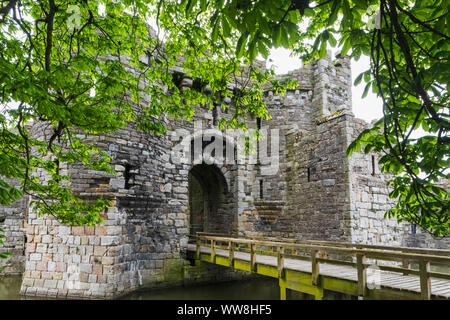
<point x="369" y="271"/>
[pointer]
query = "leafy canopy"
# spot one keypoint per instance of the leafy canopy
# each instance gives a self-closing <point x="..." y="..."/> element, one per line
<point x="67" y="71"/>
<point x="74" y="67"/>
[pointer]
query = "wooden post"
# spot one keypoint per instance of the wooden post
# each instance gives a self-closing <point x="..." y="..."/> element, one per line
<point x="362" y="274"/>
<point x="197" y="251"/>
<point x="319" y="294"/>
<point x="283" y="290"/>
<point x="280" y="262"/>
<point x="213" y="251"/>
<point x="231" y="253"/>
<point x="405" y="264"/>
<point x="252" y="257"/>
<point x="314" y="268"/>
<point x="425" y="281"/>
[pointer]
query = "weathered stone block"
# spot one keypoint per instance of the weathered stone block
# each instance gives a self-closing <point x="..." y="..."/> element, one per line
<point x="85" y="268"/>
<point x="100" y="250"/>
<point x="51" y="266"/>
<point x="109" y="240"/>
<point x="98" y="268"/>
<point x="35" y="257"/>
<point x="50" y="284"/>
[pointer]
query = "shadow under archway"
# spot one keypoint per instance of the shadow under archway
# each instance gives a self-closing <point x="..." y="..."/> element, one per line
<point x="209" y="201"/>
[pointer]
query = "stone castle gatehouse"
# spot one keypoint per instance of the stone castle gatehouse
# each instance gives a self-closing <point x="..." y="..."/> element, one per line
<point x="298" y="184"/>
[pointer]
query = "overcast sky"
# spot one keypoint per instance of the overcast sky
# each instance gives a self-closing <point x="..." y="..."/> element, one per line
<point x="368" y="108"/>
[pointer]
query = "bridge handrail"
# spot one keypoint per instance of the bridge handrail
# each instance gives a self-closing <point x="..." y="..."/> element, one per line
<point x="370" y="253"/>
<point x="443" y="252"/>
<point x="317" y="256"/>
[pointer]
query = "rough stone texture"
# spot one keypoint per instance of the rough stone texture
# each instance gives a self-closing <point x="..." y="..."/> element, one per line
<point x="310" y="191"/>
<point x="370" y="198"/>
<point x="13" y="223"/>
<point x="309" y="197"/>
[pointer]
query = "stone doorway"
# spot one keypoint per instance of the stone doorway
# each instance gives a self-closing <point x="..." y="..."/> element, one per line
<point x="209" y="200"/>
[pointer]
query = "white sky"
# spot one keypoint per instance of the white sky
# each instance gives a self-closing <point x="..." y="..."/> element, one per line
<point x="369" y="108"/>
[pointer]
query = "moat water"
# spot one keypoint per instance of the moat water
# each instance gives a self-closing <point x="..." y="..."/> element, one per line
<point x="255" y="289"/>
<point x="258" y="289"/>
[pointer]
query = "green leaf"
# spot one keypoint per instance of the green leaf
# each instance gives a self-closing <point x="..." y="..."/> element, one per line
<point x="203" y="4"/>
<point x="366" y="90"/>
<point x="263" y="49"/>
<point x="358" y="79"/>
<point x="334" y="12"/>
<point x="332" y="40"/>
<point x="241" y="44"/>
<point x="215" y="32"/>
<point x="252" y="48"/>
<point x="345" y="48"/>
<point x="348" y="17"/>
<point x="277" y="35"/>
<point x="190" y="5"/>
<point x="367" y="76"/>
<point x="226" y="27"/>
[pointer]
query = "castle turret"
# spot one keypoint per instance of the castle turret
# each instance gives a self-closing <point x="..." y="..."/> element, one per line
<point x="332" y="86"/>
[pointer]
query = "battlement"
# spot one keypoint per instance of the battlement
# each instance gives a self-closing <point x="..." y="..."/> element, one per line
<point x="323" y="87"/>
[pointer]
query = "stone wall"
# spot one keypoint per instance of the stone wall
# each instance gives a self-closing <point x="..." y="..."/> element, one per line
<point x="143" y="238"/>
<point x="88" y="262"/>
<point x="414" y="236"/>
<point x="317" y="191"/>
<point x="370" y="200"/>
<point x="12" y="221"/>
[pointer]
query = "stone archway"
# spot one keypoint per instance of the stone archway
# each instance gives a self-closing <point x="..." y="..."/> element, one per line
<point x="209" y="200"/>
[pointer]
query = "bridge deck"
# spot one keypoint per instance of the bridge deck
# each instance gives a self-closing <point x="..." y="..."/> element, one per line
<point x="391" y="284"/>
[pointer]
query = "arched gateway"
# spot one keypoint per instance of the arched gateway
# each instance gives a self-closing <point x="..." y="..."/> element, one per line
<point x="210" y="201"/>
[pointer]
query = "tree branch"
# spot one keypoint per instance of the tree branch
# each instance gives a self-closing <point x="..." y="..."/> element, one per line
<point x="409" y="61"/>
<point x="50" y="20"/>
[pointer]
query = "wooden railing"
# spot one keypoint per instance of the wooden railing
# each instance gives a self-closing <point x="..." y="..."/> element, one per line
<point x="439" y="252"/>
<point x="335" y="253"/>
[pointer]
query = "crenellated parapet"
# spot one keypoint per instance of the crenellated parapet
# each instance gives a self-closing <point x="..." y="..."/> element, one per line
<point x="299" y="184"/>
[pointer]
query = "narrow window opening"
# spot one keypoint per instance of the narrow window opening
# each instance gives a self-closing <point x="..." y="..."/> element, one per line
<point x="214" y="114"/>
<point x="197" y="85"/>
<point x="213" y="153"/>
<point x="192" y="151"/>
<point x="373" y="165"/>
<point x="127" y="176"/>
<point x="177" y="78"/>
<point x="2" y="219"/>
<point x="413" y="229"/>
<point x="224" y="149"/>
<point x="261" y="187"/>
<point x="25" y="240"/>
<point x="309" y="174"/>
<point x="258" y="125"/>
